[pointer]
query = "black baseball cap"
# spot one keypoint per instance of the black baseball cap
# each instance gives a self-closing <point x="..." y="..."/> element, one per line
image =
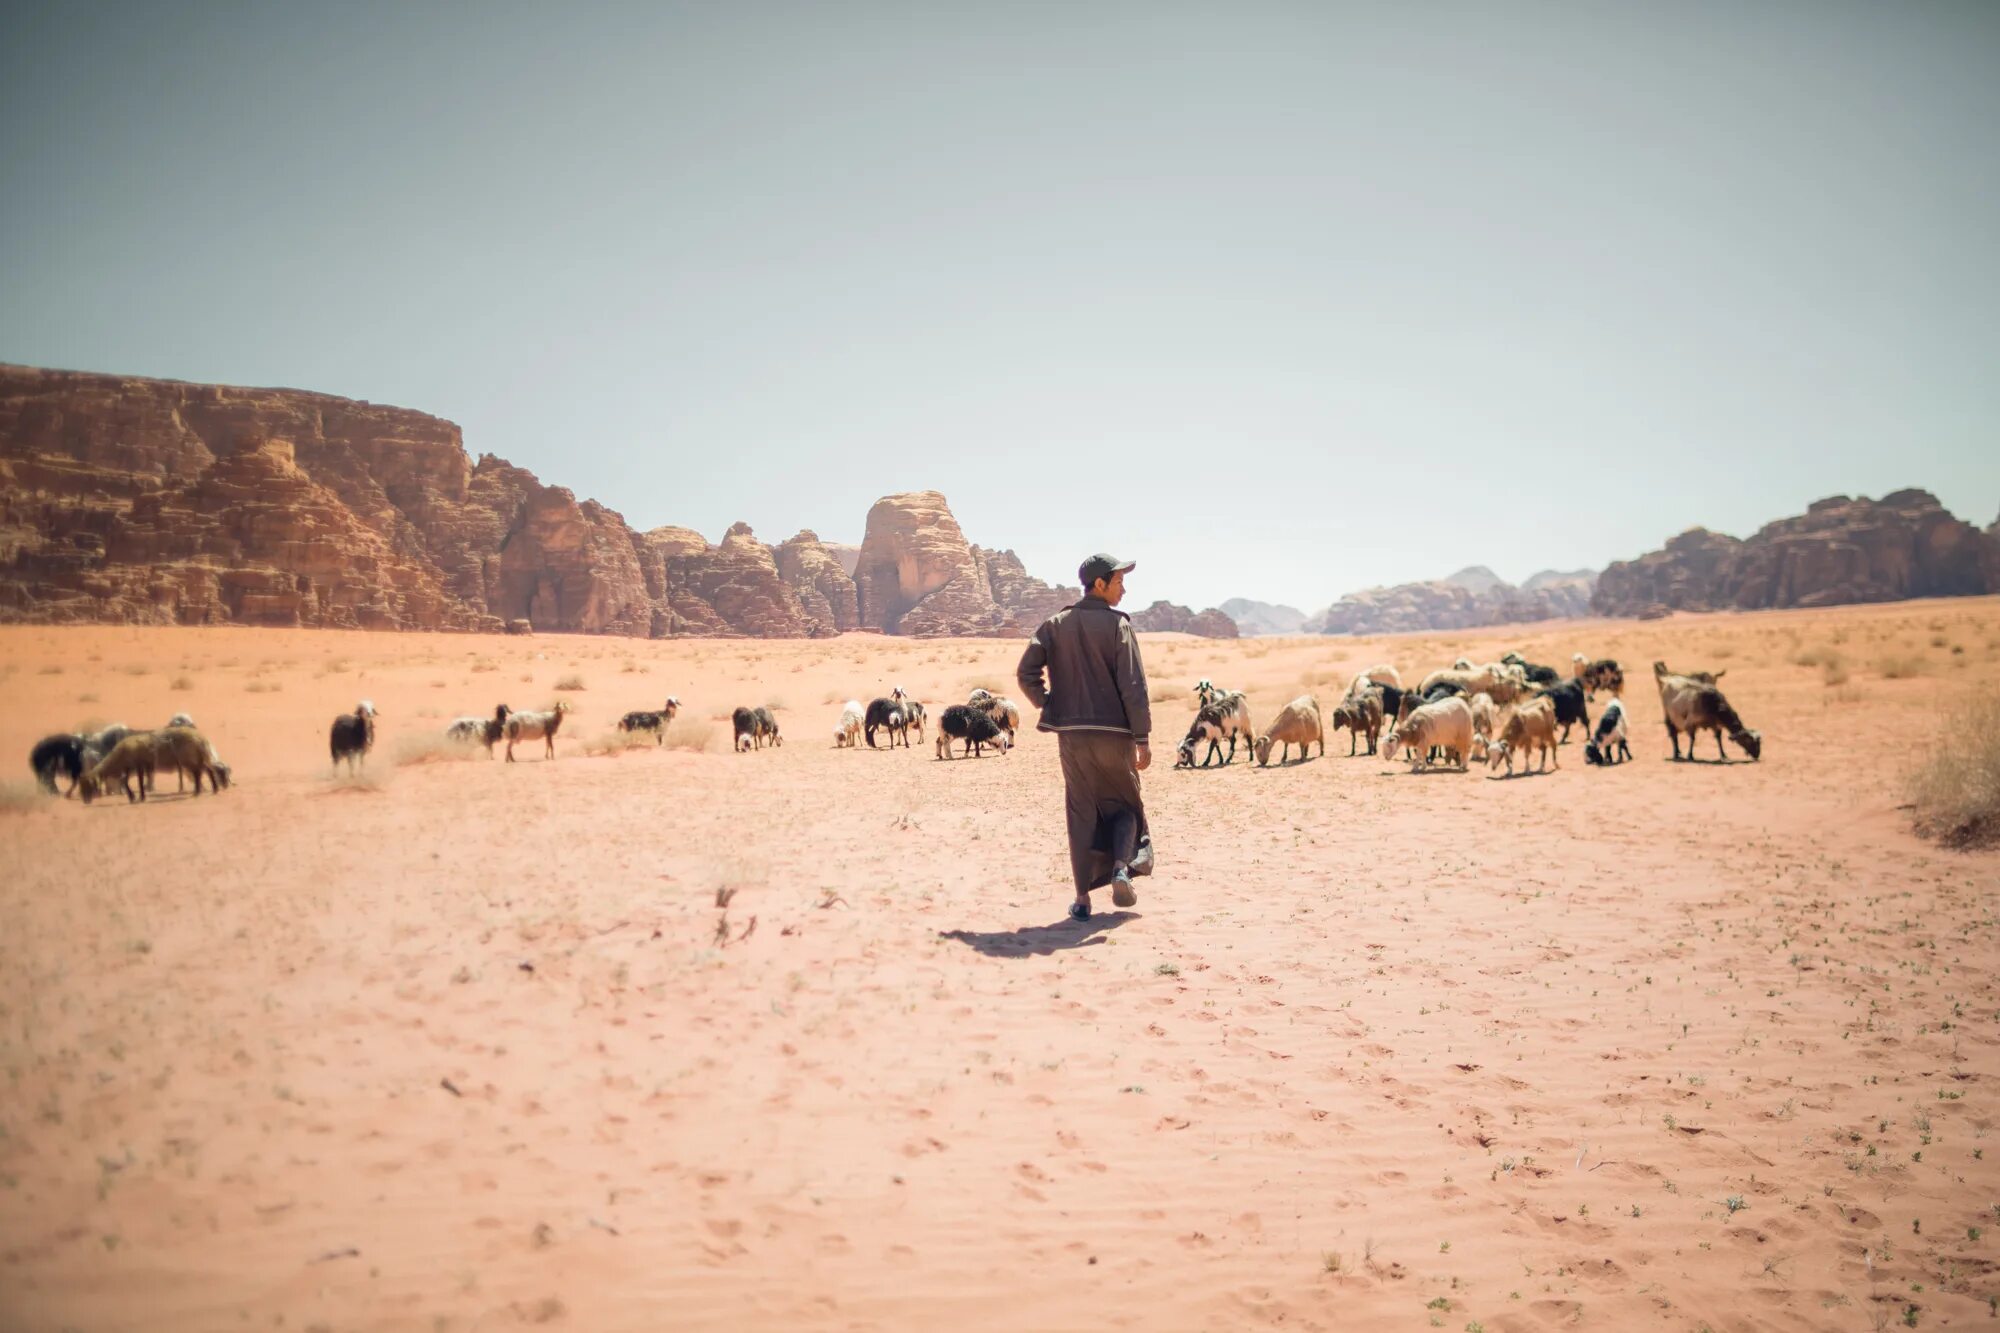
<point x="1101" y="566"/>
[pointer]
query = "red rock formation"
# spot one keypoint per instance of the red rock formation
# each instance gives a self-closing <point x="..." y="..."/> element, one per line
<point x="1840" y="550"/>
<point x="917" y="574"/>
<point x="824" y="590"/>
<point x="1209" y="624"/>
<point x="1469" y="598"/>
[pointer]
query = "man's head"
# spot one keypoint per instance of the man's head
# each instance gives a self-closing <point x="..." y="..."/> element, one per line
<point x="1104" y="576"/>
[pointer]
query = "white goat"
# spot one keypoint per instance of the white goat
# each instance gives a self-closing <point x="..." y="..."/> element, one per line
<point x="1445" y="725"/>
<point x="847" y="734"/>
<point x="541" y="726"/>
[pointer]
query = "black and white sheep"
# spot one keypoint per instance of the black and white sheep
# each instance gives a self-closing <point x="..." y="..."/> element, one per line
<point x="976" y="727"/>
<point x="847" y="732"/>
<point x="1607" y="744"/>
<point x="486" y="731"/>
<point x="656" y="723"/>
<point x="352" y="735"/>
<point x="541" y="725"/>
<point x="754" y="726"/>
<point x="56" y="756"/>
<point x="1535" y="672"/>
<point x="886" y="715"/>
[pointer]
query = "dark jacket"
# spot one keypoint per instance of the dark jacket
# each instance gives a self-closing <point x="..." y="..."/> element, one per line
<point x="1095" y="680"/>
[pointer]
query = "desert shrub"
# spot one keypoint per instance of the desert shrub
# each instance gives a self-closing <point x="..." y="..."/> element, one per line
<point x="87" y="697"/>
<point x="262" y="687"/>
<point x="571" y="682"/>
<point x="1956" y="790"/>
<point x="1834" y="673"/>
<point x="618" y="742"/>
<point x="690" y="733"/>
<point x="429" y="748"/>
<point x="180" y="683"/>
<point x="1901" y="666"/>
<point x="1820" y="654"/>
<point x="1166" y="694"/>
<point x="51" y="670"/>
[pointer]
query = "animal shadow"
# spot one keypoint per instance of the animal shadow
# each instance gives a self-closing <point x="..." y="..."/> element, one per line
<point x="1040" y="941"/>
<point x="1712" y="763"/>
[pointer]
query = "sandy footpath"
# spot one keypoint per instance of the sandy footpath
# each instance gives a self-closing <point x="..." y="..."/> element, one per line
<point x="471" y="1045"/>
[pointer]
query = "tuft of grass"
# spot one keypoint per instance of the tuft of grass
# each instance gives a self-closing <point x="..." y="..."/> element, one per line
<point x="618" y="742"/>
<point x="87" y="697"/>
<point x="428" y="748"/>
<point x="571" y="682"/>
<point x="1956" y="789"/>
<point x="690" y="733"/>
<point x="1901" y="666"/>
<point x="180" y="683"/>
<point x="51" y="670"/>
<point x="261" y="687"/>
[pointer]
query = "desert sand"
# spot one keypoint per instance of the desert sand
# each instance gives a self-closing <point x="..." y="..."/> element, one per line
<point x="470" y="1045"/>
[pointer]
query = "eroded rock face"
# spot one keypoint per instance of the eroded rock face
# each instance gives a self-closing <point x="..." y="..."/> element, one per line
<point x="917" y="574"/>
<point x="1840" y="550"/>
<point x="823" y="588"/>
<point x="1468" y="599"/>
<point x="1210" y="624"/>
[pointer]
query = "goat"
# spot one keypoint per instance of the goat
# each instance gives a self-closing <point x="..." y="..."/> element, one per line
<point x="656" y="723"/>
<point x="847" y="732"/>
<point x="535" y="726"/>
<point x="1297" y="723"/>
<point x="1693" y="705"/>
<point x="97" y="744"/>
<point x="485" y="731"/>
<point x="1375" y="675"/>
<point x="353" y="734"/>
<point x="1444" y="726"/>
<point x="143" y="752"/>
<point x="1603" y="674"/>
<point x="1570" y="705"/>
<point x="1531" y="727"/>
<point x="1536" y="674"/>
<point x="62" y="754"/>
<point x="1607" y="744"/>
<point x="1211" y="724"/>
<point x="887" y="715"/>
<point x="914" y="718"/>
<point x="767" y="726"/>
<point x="975" y="726"/>
<point x="1485" y="725"/>
<point x="1361" y="714"/>
<point x="1003" y="712"/>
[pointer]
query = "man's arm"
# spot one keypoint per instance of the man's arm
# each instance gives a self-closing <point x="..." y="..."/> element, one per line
<point x="1029" y="674"/>
<point x="1131" y="677"/>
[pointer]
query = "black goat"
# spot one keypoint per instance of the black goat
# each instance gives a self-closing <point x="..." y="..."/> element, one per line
<point x="975" y="726"/>
<point x="1571" y="709"/>
<point x="1537" y="674"/>
<point x="886" y="715"/>
<point x="61" y="753"/>
<point x="353" y="734"/>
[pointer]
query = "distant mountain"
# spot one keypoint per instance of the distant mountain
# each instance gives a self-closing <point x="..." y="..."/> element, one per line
<point x="1253" y="618"/>
<point x="1470" y="598"/>
<point x="1164" y="615"/>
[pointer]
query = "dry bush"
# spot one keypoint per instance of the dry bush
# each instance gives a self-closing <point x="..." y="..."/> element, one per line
<point x="17" y="798"/>
<point x="570" y="682"/>
<point x="1901" y="666"/>
<point x="478" y="667"/>
<point x="1819" y="654"/>
<point x="261" y="687"/>
<point x="615" y="743"/>
<point x="1844" y="694"/>
<point x="50" y="670"/>
<point x="88" y="697"/>
<point x="690" y="733"/>
<point x="1166" y="694"/>
<point x="180" y="683"/>
<point x="429" y="749"/>
<point x="1956" y="790"/>
<point x="1835" y="674"/>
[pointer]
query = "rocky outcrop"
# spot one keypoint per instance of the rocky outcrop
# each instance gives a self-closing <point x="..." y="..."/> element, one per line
<point x="1209" y="624"/>
<point x="917" y="574"/>
<point x="1470" y="598"/>
<point x="1254" y="618"/>
<point x="1840" y="550"/>
<point x="154" y="501"/>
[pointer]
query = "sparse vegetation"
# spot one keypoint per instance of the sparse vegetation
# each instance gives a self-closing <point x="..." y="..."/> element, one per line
<point x="570" y="682"/>
<point x="261" y="686"/>
<point x="1956" y="789"/>
<point x="689" y="733"/>
<point x="180" y="683"/>
<point x="1901" y="666"/>
<point x="427" y="749"/>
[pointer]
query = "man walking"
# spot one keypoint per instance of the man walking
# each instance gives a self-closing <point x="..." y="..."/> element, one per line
<point x="1094" y="700"/>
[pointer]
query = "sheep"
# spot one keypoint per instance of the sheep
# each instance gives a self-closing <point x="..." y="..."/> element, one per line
<point x="745" y="723"/>
<point x="1607" y="745"/>
<point x="1603" y="674"/>
<point x="1570" y="703"/>
<point x="61" y="753"/>
<point x="1003" y="712"/>
<point x="536" y="726"/>
<point x="767" y="726"/>
<point x="1362" y="715"/>
<point x="1211" y="724"/>
<point x="485" y="731"/>
<point x="914" y="718"/>
<point x="1459" y="680"/>
<point x="141" y="753"/>
<point x="1485" y="724"/>
<point x="353" y="734"/>
<point x="97" y="744"/>
<point x="1445" y="726"/>
<point x="847" y="732"/>
<point x="887" y="715"/>
<point x="1693" y="705"/>
<point x="975" y="726"/>
<point x="1297" y="723"/>
<point x="656" y="723"/>
<point x="1375" y="675"/>
<point x="1531" y="727"/>
<point x="1536" y="674"/>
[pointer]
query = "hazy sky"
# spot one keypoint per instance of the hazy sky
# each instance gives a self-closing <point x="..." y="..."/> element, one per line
<point x="1279" y="300"/>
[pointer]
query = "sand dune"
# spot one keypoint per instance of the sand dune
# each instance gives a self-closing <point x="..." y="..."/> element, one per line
<point x="471" y="1045"/>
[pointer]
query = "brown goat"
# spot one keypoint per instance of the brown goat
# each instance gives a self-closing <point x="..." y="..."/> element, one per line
<point x="1361" y="714"/>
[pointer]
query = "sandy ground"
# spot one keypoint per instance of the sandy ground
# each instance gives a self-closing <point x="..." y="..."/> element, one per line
<point x="471" y="1045"/>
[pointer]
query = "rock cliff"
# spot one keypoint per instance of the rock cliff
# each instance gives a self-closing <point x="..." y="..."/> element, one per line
<point x="153" y="501"/>
<point x="1253" y="618"/>
<point x="1209" y="624"/>
<point x="1468" y="599"/>
<point x="1840" y="550"/>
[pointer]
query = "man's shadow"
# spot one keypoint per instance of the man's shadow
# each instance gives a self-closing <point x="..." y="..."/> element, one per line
<point x="1040" y="941"/>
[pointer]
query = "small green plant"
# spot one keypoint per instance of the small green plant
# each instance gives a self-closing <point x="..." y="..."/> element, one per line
<point x="1167" y="970"/>
<point x="1734" y="1203"/>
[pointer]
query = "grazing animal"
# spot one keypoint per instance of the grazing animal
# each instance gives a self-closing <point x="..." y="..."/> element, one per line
<point x="1211" y="724"/>
<point x="1375" y="675"/>
<point x="1701" y="677"/>
<point x="1362" y="714"/>
<point x="97" y="744"/>
<point x="1572" y="709"/>
<point x="1693" y="705"/>
<point x="914" y="717"/>
<point x="60" y="754"/>
<point x="1607" y="744"/>
<point x="1603" y="674"/>
<point x="1504" y="681"/>
<point x="1485" y="723"/>
<point x="1536" y="674"/>
<point x="745" y="723"/>
<point x="767" y="727"/>
<point x="847" y="732"/>
<point x="485" y="731"/>
<point x="143" y="752"/>
<point x="1531" y="727"/>
<point x="353" y="735"/>
<point x="541" y="725"/>
<point x="1444" y="726"/>
<point x="649" y="721"/>
<point x="1003" y="712"/>
<point x="887" y="715"/>
<point x="1297" y="723"/>
<point x="975" y="726"/>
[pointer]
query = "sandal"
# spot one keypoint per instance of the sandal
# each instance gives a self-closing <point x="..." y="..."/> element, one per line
<point x="1079" y="911"/>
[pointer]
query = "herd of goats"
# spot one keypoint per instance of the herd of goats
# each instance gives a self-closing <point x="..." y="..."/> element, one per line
<point x="1494" y="714"/>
